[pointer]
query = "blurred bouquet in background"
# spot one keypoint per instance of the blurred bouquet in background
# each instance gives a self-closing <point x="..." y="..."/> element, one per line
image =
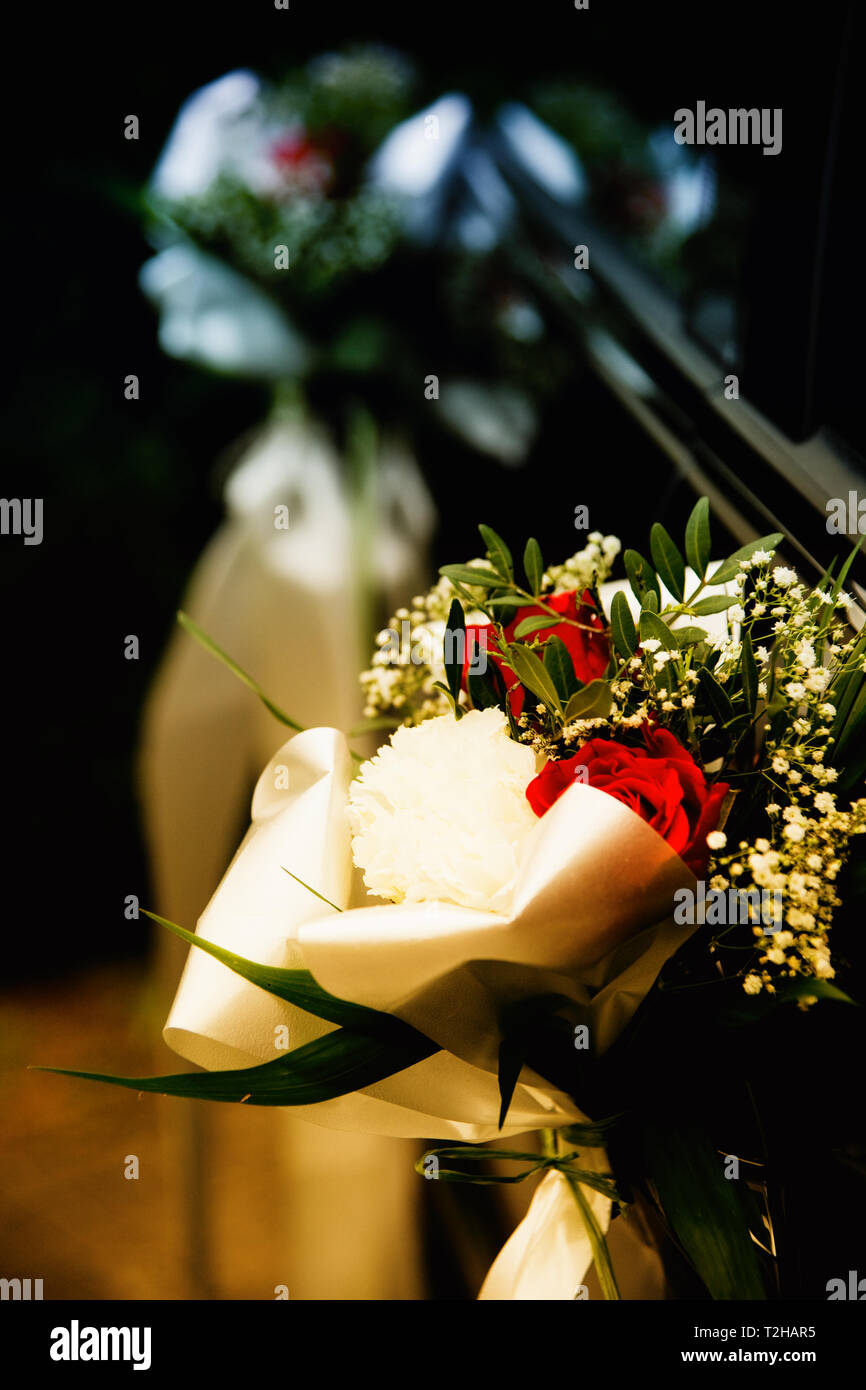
<point x="270" y="184"/>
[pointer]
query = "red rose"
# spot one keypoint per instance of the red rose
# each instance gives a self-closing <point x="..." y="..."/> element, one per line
<point x="662" y="783"/>
<point x="301" y="159"/>
<point x="589" y="651"/>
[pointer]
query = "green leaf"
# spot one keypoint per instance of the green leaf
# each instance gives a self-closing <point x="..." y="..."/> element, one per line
<point x="654" y="627"/>
<point x="592" y="1134"/>
<point x="486" y="689"/>
<point x="843" y="573"/>
<point x="455" y="648"/>
<point x="533" y="565"/>
<point x="730" y="568"/>
<point x="498" y="552"/>
<point x="843" y="694"/>
<point x="210" y="645"/>
<point x="698" y="542"/>
<point x="849" y="752"/>
<point x="741" y="1008"/>
<point x="557" y="660"/>
<point x="717" y="698"/>
<point x="373" y="726"/>
<point x="519" y="1023"/>
<point x="300" y="988"/>
<point x="455" y="708"/>
<point x="668" y="561"/>
<point x="749" y="673"/>
<point x="716" y="603"/>
<point x="527" y="626"/>
<point x="689" y="636"/>
<point x="531" y="672"/>
<point x="474" y="575"/>
<point x="511" y="1059"/>
<point x="622" y="626"/>
<point x="315" y="892"/>
<point x="702" y="1207"/>
<point x="336" y="1065"/>
<point x="854" y="719"/>
<point x="505" y="609"/>
<point x="641" y="576"/>
<point x="593" y="702"/>
<point x="600" y="1253"/>
<point x="476" y="1153"/>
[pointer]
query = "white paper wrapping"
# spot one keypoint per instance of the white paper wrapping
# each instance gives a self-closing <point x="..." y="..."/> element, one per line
<point x="549" y="1253"/>
<point x="590" y="918"/>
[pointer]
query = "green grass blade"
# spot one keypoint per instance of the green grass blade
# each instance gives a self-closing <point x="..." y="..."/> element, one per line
<point x="300" y="988"/>
<point x="211" y="646"/>
<point x="336" y="1065"/>
<point x="702" y="1207"/>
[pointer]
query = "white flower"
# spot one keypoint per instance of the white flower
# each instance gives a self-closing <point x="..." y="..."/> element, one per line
<point x="440" y="814"/>
<point x="717" y="839"/>
<point x="650" y="644"/>
<point x="783" y="577"/>
<point x="817" y="680"/>
<point x="805" y="653"/>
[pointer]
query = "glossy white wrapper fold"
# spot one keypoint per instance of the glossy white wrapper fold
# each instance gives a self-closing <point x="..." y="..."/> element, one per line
<point x="590" y="919"/>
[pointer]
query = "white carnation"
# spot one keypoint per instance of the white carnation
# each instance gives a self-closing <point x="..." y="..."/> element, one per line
<point x="440" y="813"/>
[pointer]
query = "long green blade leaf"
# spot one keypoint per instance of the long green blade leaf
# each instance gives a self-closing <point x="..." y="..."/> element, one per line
<point x="702" y="1207"/>
<point x="210" y="645"/>
<point x="300" y="988"/>
<point x="336" y="1065"/>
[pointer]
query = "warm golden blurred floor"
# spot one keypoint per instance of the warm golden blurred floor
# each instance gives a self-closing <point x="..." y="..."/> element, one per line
<point x="70" y="1216"/>
<point x="211" y="1214"/>
<point x="231" y="1201"/>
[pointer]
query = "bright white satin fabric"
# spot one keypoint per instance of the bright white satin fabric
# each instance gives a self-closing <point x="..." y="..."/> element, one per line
<point x="444" y="969"/>
<point x="549" y="1253"/>
<point x="282" y="602"/>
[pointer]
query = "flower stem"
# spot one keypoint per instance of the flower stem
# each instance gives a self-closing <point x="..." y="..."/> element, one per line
<point x="600" y="1253"/>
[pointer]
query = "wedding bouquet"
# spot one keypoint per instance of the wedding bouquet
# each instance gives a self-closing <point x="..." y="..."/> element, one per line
<point x="285" y="164"/>
<point x="608" y="817"/>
